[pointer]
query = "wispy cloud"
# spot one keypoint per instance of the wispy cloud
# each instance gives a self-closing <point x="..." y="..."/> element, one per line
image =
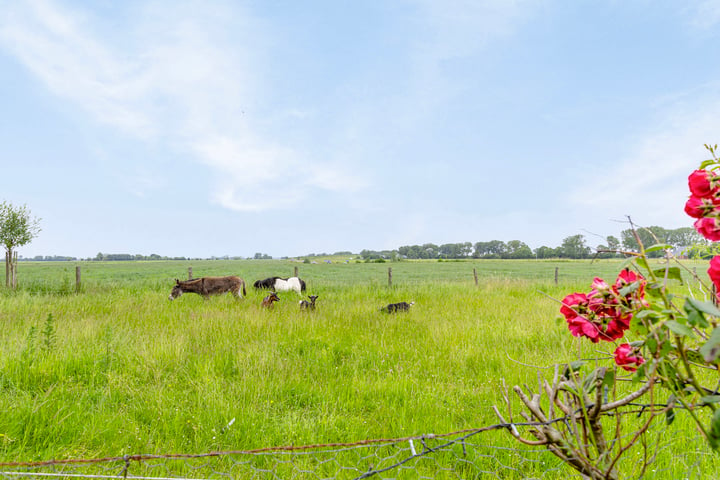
<point x="704" y="15"/>
<point x="649" y="182"/>
<point x="51" y="43"/>
<point x="183" y="74"/>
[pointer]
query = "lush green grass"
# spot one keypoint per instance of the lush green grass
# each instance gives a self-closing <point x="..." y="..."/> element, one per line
<point x="118" y="369"/>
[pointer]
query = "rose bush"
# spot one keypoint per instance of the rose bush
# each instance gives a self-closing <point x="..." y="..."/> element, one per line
<point x="662" y="339"/>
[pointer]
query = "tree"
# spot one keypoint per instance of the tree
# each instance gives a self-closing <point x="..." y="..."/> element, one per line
<point x="430" y="250"/>
<point x="491" y="249"/>
<point x="613" y="243"/>
<point x="17" y="228"/>
<point x="574" y="247"/>
<point x="649" y="236"/>
<point x="517" y="249"/>
<point x="685" y="237"/>
<point x="546" y="252"/>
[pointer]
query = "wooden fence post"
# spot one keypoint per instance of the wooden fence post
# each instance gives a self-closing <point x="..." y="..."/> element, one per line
<point x="556" y="275"/>
<point x="296" y="271"/>
<point x="189" y="273"/>
<point x="475" y="275"/>
<point x="389" y="276"/>
<point x="77" y="279"/>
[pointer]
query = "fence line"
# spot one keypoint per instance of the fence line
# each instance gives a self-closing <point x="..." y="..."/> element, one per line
<point x="449" y="455"/>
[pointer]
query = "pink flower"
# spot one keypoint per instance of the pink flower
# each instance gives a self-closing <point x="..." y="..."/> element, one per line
<point x="617" y="326"/>
<point x="582" y="327"/>
<point x="627" y="357"/>
<point x="626" y="277"/>
<point x="634" y="299"/>
<point x="599" y="286"/>
<point x="696" y="207"/>
<point x="575" y="309"/>
<point x="572" y="304"/>
<point x="702" y="183"/>
<point x="714" y="272"/>
<point x="708" y="227"/>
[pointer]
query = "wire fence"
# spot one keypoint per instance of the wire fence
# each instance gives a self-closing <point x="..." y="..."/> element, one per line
<point x="468" y="454"/>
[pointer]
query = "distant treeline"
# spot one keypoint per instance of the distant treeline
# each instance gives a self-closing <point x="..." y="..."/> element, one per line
<point x="573" y="247"/>
<point x="102" y="257"/>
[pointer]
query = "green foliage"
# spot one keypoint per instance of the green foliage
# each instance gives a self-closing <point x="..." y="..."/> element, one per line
<point x="48" y="333"/>
<point x="714" y="433"/>
<point x="685" y="237"/>
<point x="574" y="247"/>
<point x="17" y="227"/>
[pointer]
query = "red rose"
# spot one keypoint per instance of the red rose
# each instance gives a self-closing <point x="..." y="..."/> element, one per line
<point x="709" y="228"/>
<point x="617" y="326"/>
<point x="695" y="207"/>
<point x="582" y="327"/>
<point x="572" y="304"/>
<point x="714" y="272"/>
<point x="702" y="183"/>
<point x="575" y="309"/>
<point x="627" y="358"/>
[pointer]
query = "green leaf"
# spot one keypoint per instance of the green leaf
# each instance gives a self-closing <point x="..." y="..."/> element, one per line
<point x="665" y="348"/>
<point x="627" y="290"/>
<point x="670" y="412"/>
<point x="707" y="400"/>
<point x="706" y="164"/>
<point x="645" y="313"/>
<point x="714" y="432"/>
<point x="655" y="289"/>
<point x="697" y="319"/>
<point x="651" y="344"/>
<point x="669" y="416"/>
<point x="672" y="273"/>
<point x="573" y="367"/>
<point x="705" y="307"/>
<point x="658" y="246"/>
<point x="639" y="375"/>
<point x="711" y="350"/>
<point x="679" y="328"/>
<point x="609" y="379"/>
<point x="642" y="263"/>
<point x="637" y="326"/>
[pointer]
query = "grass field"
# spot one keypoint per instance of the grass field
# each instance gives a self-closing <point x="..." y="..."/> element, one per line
<point x="118" y="369"/>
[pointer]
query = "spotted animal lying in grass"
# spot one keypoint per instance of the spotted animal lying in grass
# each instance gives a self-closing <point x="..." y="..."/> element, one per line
<point x="397" y="307"/>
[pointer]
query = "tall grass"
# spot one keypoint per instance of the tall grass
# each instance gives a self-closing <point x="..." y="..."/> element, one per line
<point x="119" y="369"/>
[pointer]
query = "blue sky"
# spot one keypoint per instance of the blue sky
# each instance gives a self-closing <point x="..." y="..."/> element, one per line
<point x="210" y="128"/>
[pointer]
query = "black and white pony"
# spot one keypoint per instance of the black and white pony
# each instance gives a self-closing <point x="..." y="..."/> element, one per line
<point x="281" y="284"/>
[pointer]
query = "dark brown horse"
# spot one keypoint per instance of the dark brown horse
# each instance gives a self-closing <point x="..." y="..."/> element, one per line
<point x="207" y="286"/>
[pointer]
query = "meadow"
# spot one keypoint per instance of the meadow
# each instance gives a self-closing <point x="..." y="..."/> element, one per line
<point x="116" y="368"/>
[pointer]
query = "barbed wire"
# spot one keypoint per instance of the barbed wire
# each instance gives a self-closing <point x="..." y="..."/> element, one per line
<point x="455" y="455"/>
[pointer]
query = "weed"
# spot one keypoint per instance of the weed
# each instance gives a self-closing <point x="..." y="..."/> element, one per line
<point x="48" y="334"/>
